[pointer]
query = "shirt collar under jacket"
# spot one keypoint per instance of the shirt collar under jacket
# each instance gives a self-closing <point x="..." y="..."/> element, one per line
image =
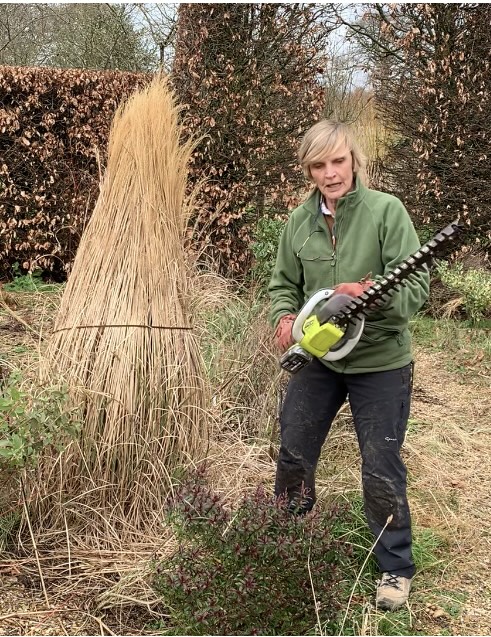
<point x="325" y="210"/>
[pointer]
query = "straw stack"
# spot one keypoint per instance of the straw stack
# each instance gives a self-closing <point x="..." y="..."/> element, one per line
<point x="123" y="339"/>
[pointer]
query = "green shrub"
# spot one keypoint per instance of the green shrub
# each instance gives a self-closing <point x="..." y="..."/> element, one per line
<point x="473" y="285"/>
<point x="246" y="572"/>
<point x="32" y="282"/>
<point x="426" y="232"/>
<point x="29" y="423"/>
<point x="266" y="237"/>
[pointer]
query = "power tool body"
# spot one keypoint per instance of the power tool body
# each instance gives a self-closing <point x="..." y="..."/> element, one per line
<point x="329" y="325"/>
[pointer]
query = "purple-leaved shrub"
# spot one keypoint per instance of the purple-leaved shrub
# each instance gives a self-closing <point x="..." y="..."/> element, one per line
<point x="250" y="571"/>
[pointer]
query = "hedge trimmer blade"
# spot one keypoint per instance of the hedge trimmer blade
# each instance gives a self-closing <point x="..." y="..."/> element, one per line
<point x="378" y="293"/>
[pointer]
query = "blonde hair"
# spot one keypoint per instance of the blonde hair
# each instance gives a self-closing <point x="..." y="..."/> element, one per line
<point x="325" y="138"/>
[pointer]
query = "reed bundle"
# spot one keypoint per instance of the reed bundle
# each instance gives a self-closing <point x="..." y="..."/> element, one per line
<point x="123" y="338"/>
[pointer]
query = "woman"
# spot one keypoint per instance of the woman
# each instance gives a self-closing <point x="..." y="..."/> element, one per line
<point x="344" y="236"/>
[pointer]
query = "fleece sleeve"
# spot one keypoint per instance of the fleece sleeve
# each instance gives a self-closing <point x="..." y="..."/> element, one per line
<point x="398" y="241"/>
<point x="286" y="285"/>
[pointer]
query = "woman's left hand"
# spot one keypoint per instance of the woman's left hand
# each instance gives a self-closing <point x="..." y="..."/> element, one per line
<point x="353" y="289"/>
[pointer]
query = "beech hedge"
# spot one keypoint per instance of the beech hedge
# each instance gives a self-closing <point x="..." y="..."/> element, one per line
<point x="54" y="127"/>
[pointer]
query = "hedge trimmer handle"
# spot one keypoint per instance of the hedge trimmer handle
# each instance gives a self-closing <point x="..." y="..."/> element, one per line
<point x="331" y="304"/>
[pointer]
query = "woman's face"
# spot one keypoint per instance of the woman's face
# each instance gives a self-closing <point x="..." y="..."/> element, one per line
<point x="333" y="174"/>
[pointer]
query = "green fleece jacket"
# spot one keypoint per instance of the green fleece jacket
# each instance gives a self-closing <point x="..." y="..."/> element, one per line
<point x="373" y="234"/>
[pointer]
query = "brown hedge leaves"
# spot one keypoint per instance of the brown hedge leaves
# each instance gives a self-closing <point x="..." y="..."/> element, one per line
<point x="54" y="126"/>
<point x="248" y="78"/>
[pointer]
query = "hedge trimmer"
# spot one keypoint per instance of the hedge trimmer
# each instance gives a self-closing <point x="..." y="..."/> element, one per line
<point x="333" y="329"/>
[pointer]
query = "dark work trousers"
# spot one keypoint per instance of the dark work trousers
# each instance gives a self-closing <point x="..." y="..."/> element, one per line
<point x="380" y="404"/>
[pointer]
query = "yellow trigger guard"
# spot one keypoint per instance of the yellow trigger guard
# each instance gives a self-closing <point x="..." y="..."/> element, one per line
<point x="318" y="339"/>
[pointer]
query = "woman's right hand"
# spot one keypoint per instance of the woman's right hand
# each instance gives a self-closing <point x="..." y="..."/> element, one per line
<point x="283" y="337"/>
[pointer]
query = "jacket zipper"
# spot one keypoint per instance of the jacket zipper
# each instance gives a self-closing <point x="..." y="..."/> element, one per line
<point x="333" y="241"/>
<point x="332" y="234"/>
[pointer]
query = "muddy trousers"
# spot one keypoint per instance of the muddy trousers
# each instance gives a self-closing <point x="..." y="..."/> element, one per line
<point x="379" y="404"/>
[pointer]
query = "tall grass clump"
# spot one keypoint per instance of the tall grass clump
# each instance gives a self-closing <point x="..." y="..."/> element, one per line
<point x="123" y="340"/>
<point x="240" y="359"/>
<point x="374" y="138"/>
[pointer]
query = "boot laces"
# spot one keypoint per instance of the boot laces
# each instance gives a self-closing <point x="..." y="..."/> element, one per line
<point x="389" y="579"/>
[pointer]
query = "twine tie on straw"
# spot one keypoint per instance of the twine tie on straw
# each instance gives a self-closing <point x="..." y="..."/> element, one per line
<point x="150" y="327"/>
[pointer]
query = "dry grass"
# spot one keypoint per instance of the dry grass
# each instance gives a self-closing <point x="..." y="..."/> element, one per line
<point x="123" y="341"/>
<point x="452" y="308"/>
<point x="446" y="450"/>
<point x="374" y="139"/>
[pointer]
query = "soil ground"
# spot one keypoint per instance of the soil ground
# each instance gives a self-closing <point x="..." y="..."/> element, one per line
<point x="447" y="451"/>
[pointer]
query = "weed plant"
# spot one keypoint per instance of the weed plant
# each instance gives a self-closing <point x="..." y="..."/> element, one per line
<point x="474" y="286"/>
<point x="9" y="523"/>
<point x="252" y="571"/>
<point x="32" y="282"/>
<point x="31" y="422"/>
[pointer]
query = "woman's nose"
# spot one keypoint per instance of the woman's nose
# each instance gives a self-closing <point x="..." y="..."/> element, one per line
<point x="329" y="172"/>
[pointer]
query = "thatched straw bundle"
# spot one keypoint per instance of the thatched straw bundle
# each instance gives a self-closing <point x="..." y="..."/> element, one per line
<point x="123" y="338"/>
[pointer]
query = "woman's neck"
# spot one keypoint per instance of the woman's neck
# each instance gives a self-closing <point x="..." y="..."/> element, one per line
<point x="330" y="205"/>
